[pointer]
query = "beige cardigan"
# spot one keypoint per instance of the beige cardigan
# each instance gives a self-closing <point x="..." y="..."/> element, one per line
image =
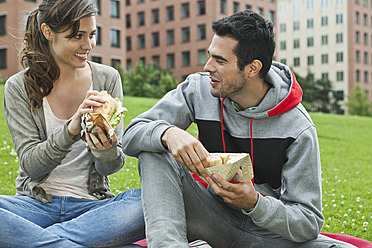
<point x="39" y="155"/>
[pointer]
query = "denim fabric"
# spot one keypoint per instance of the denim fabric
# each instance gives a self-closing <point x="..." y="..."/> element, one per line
<point x="71" y="222"/>
<point x="178" y="209"/>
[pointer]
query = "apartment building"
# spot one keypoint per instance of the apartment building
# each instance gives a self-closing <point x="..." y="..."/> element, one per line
<point x="175" y="34"/>
<point x="332" y="39"/>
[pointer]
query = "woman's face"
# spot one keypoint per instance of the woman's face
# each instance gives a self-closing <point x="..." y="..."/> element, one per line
<point x="73" y="52"/>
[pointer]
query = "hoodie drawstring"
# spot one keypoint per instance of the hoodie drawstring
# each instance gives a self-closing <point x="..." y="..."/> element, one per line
<point x="223" y="136"/>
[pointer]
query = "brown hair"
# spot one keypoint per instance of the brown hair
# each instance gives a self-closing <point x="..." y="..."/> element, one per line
<point x="60" y="16"/>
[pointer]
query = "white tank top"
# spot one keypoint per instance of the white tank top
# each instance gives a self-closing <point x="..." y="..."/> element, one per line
<point x="70" y="178"/>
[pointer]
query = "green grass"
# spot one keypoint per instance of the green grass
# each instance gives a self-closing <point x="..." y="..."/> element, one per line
<point x="346" y="154"/>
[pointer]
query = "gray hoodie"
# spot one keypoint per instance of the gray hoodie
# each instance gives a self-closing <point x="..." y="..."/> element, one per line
<point x="279" y="135"/>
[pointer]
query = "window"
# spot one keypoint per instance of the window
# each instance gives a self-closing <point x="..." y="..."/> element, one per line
<point x="339" y="19"/>
<point x="201" y="32"/>
<point x="339" y="57"/>
<point x="365" y="39"/>
<point x="186" y="34"/>
<point x="170" y="37"/>
<point x="156" y="59"/>
<point x="3" y="64"/>
<point x="128" y="21"/>
<point x="140" y="1"/>
<point x="155" y="16"/>
<point x="272" y="16"/>
<point x="186" y="59"/>
<point x="324" y="21"/>
<point x="128" y="42"/>
<point x="170" y="13"/>
<point x="115" y="63"/>
<point x="236" y="7"/>
<point x="97" y="59"/>
<point x="324" y="3"/>
<point x="2" y="25"/>
<point x="339" y="38"/>
<point x="185" y="10"/>
<point x="283" y="61"/>
<point x="98" y="4"/>
<point x="365" y="58"/>
<point x="283" y="45"/>
<point x="310" y="23"/>
<point x="155" y="39"/>
<point x="324" y="39"/>
<point x="283" y="27"/>
<point x="296" y="7"/>
<point x="357" y="56"/>
<point x="357" y="37"/>
<point x="141" y="41"/>
<point x="310" y="41"/>
<point x="115" y="38"/>
<point x="202" y="56"/>
<point x="309" y="4"/>
<point x="129" y="64"/>
<point x="365" y="76"/>
<point x="310" y="60"/>
<point x="365" y="20"/>
<point x="127" y="2"/>
<point x="357" y="76"/>
<point x="143" y="60"/>
<point x="325" y="76"/>
<point x="170" y="60"/>
<point x="99" y="36"/>
<point x="339" y="76"/>
<point x="201" y="7"/>
<point x="296" y="43"/>
<point x="249" y="7"/>
<point x="223" y="6"/>
<point x="296" y="25"/>
<point x="296" y="61"/>
<point x="141" y="18"/>
<point x="325" y="58"/>
<point x="115" y="9"/>
<point x="260" y="11"/>
<point x="357" y="17"/>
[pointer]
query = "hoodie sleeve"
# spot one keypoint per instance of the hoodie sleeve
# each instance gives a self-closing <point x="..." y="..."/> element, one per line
<point x="296" y="215"/>
<point x="174" y="109"/>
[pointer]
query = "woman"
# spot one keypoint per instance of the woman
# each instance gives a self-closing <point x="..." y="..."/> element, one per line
<point x="63" y="197"/>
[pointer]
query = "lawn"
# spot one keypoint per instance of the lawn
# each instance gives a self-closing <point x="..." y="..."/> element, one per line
<point x="346" y="154"/>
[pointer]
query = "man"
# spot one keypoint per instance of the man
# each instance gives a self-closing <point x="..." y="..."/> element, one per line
<point x="249" y="104"/>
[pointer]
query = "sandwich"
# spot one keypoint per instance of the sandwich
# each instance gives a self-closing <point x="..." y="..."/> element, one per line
<point x="107" y="116"/>
<point x="220" y="159"/>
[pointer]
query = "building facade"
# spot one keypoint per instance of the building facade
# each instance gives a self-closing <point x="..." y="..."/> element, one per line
<point x="174" y="34"/>
<point x="331" y="39"/>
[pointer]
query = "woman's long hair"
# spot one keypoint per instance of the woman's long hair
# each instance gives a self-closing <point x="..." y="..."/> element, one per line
<point x="43" y="71"/>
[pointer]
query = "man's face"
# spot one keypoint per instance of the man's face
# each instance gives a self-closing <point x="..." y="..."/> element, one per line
<point x="226" y="78"/>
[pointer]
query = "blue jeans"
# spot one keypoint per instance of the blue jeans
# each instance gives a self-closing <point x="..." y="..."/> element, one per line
<point x="71" y="222"/>
<point x="178" y="209"/>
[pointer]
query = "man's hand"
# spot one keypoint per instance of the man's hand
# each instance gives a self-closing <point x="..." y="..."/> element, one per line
<point x="241" y="195"/>
<point x="186" y="149"/>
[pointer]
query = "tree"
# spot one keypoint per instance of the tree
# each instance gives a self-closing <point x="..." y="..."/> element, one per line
<point x="318" y="95"/>
<point x="148" y="81"/>
<point x="358" y="103"/>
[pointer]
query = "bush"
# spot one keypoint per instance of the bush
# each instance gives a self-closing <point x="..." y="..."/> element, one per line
<point x="358" y="102"/>
<point x="147" y="81"/>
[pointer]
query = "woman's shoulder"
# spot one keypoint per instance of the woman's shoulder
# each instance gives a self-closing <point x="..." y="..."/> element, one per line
<point x="16" y="81"/>
<point x="101" y="69"/>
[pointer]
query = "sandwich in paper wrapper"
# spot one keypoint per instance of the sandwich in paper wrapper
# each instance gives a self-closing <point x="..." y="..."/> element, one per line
<point x="107" y="116"/>
<point x="227" y="164"/>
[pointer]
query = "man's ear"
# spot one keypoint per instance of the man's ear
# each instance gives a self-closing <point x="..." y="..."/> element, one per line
<point x="47" y="31"/>
<point x="253" y="68"/>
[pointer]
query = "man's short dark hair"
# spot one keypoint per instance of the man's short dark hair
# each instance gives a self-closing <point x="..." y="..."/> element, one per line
<point x="255" y="38"/>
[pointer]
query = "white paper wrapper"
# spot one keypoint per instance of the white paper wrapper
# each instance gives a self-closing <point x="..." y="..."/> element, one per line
<point x="228" y="171"/>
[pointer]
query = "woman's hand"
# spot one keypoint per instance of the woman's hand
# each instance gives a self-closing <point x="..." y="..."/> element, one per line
<point x="92" y="99"/>
<point x="101" y="142"/>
